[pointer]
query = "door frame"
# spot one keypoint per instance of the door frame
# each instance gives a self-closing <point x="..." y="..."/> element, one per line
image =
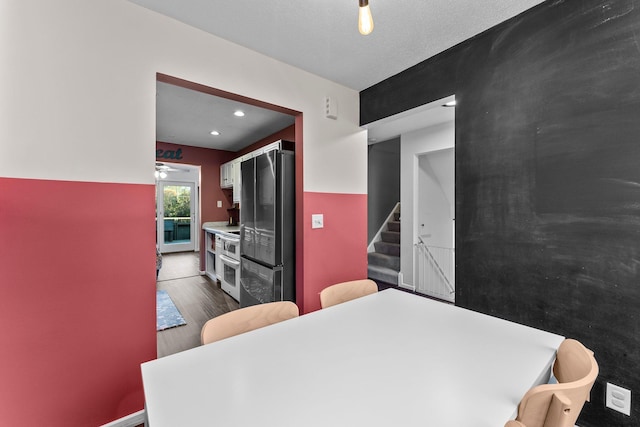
<point x="176" y="247"/>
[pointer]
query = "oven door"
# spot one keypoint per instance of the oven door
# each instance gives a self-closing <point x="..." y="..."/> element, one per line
<point x="230" y="276"/>
<point x="231" y="246"/>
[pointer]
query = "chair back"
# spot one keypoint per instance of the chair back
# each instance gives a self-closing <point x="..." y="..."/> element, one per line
<point x="346" y="291"/>
<point x="247" y="319"/>
<point x="559" y="405"/>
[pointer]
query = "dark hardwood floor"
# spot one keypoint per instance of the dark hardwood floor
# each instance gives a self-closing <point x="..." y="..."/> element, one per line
<point x="196" y="296"/>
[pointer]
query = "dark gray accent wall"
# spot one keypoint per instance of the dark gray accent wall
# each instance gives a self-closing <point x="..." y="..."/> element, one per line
<point x="547" y="176"/>
<point x="383" y="183"/>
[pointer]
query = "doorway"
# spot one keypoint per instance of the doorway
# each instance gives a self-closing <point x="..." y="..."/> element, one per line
<point x="435" y="224"/>
<point x="427" y="129"/>
<point x="176" y="216"/>
<point x="197" y="297"/>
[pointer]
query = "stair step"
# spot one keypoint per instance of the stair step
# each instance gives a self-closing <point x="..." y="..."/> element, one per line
<point x="391" y="236"/>
<point x="384" y="260"/>
<point x="387" y="248"/>
<point x="396" y="216"/>
<point x="393" y="226"/>
<point x="383" y="274"/>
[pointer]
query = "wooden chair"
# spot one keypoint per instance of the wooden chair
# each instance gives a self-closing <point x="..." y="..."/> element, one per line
<point x="559" y="405"/>
<point x="346" y="291"/>
<point x="247" y="319"/>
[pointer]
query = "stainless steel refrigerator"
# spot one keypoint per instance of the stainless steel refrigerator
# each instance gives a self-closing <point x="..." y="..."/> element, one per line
<point x="267" y="228"/>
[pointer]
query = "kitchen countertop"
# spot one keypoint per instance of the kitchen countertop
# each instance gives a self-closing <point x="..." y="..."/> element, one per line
<point x="220" y="227"/>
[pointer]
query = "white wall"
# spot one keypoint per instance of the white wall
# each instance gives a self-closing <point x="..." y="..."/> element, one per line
<point x="78" y="84"/>
<point x="433" y="138"/>
<point x="435" y="210"/>
<point x="77" y="103"/>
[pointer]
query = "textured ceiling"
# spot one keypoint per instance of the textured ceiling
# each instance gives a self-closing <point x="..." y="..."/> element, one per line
<point x="322" y="36"/>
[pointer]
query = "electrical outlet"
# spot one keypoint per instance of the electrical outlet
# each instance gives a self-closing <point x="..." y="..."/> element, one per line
<point x="618" y="399"/>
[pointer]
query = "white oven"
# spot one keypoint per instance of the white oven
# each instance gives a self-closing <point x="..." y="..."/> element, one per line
<point x="230" y="245"/>
<point x="230" y="265"/>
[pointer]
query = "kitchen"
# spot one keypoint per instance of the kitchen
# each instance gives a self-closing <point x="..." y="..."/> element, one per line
<point x="253" y="255"/>
<point x="183" y="118"/>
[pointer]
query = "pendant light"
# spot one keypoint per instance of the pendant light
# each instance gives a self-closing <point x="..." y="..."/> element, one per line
<point x="365" y="20"/>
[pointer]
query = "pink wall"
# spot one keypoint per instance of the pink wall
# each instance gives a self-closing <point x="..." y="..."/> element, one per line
<point x="78" y="284"/>
<point x="337" y="252"/>
<point x="77" y="271"/>
<point x="77" y="300"/>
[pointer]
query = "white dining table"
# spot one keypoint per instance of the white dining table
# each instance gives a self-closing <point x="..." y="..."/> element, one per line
<point x="388" y="359"/>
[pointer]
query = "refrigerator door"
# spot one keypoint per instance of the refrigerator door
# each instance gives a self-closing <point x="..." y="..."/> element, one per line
<point x="267" y="229"/>
<point x="265" y="207"/>
<point x="247" y="209"/>
<point x="259" y="284"/>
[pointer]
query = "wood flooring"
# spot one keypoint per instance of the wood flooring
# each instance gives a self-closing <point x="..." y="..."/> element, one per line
<point x="196" y="296"/>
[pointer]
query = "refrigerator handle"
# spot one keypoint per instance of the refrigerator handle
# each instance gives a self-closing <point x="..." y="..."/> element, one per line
<point x="278" y="288"/>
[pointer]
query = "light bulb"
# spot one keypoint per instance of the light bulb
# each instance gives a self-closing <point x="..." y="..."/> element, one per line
<point x="157" y="174"/>
<point x="163" y="174"/>
<point x="365" y="20"/>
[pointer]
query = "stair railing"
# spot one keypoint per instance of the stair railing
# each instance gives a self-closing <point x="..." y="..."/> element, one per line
<point x="432" y="280"/>
<point x="383" y="227"/>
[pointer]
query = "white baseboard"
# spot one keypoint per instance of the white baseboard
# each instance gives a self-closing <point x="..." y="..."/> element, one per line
<point x="202" y="273"/>
<point x="131" y="420"/>
<point x="408" y="287"/>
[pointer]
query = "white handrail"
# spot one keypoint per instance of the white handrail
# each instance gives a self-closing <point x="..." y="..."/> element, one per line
<point x="383" y="227"/>
<point x="429" y="263"/>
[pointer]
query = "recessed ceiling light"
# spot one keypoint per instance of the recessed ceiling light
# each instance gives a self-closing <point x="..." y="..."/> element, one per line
<point x="215" y="133"/>
<point x="450" y="104"/>
<point x="238" y="113"/>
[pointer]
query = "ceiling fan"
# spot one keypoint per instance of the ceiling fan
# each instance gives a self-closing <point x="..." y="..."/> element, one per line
<point x="162" y="169"/>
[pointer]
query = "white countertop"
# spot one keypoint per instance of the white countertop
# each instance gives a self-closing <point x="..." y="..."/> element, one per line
<point x="391" y="358"/>
<point x="220" y="227"/>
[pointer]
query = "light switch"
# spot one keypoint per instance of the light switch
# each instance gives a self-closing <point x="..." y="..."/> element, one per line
<point x="219" y="203"/>
<point x="317" y="221"/>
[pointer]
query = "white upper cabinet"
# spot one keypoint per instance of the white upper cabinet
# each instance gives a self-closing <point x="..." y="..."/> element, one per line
<point x="230" y="173"/>
<point x="273" y="146"/>
<point x="237" y="179"/>
<point x="226" y="175"/>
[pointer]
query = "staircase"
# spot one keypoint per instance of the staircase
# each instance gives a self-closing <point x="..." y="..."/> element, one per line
<point x="384" y="262"/>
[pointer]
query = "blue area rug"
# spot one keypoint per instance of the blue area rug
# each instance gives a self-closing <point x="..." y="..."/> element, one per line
<point x="167" y="314"/>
